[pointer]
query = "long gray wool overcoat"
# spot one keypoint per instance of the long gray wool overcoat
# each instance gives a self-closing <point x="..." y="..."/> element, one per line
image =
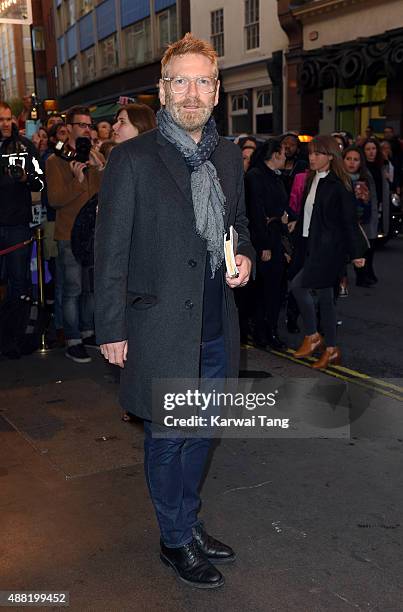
<point x="150" y="264"/>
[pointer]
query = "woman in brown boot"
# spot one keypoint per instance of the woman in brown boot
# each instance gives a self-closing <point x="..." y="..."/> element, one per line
<point x="327" y="236"/>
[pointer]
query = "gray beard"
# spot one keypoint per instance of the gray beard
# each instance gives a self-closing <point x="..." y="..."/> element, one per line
<point x="190" y="122"/>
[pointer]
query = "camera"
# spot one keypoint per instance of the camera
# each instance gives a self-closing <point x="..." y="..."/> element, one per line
<point x="81" y="154"/>
<point x="13" y="165"/>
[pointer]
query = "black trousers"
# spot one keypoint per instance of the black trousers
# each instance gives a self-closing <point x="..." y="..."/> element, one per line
<point x="270" y="290"/>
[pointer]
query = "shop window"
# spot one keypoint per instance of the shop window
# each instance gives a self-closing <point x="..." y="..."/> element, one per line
<point x="264" y="99"/>
<point x="252" y="31"/>
<point x="137" y="41"/>
<point x="217" y="31"/>
<point x="108" y="54"/>
<point x="264" y="111"/>
<point x="167" y="28"/>
<point x="240" y="118"/>
<point x="239" y="103"/>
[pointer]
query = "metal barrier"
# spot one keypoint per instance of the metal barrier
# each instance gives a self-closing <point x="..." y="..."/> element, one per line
<point x="40" y="263"/>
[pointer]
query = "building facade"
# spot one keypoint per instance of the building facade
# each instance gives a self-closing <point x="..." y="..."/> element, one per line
<point x="16" y="66"/>
<point x="28" y="55"/>
<point x="110" y="48"/>
<point x="344" y="64"/>
<point x="249" y="41"/>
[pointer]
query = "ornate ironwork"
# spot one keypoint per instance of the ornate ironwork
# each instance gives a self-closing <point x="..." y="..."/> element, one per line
<point x="363" y="62"/>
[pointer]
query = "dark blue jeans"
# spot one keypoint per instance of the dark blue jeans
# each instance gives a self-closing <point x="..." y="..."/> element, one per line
<point x="174" y="467"/>
<point x="15" y="265"/>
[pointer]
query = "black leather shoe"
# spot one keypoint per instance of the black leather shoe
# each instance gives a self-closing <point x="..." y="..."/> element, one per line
<point x="216" y="551"/>
<point x="192" y="566"/>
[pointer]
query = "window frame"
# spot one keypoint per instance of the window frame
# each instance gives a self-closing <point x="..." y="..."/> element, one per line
<point x="252" y="24"/>
<point x="103" y="68"/>
<point x="147" y="34"/>
<point x="85" y="55"/>
<point x="217" y="31"/>
<point x="74" y="61"/>
<point x="169" y="12"/>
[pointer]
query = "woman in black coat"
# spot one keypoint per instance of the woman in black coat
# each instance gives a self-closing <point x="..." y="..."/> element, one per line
<point x="267" y="202"/>
<point x="328" y="236"/>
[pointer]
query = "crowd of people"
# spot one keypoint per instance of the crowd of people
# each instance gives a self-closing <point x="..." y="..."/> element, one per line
<point x="66" y="178"/>
<point x="313" y="209"/>
<point x="302" y="256"/>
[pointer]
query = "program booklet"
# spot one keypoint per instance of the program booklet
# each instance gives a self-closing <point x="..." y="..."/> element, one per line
<point x="230" y="249"/>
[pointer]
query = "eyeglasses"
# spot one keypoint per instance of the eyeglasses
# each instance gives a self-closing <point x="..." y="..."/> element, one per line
<point x="83" y="125"/>
<point x="180" y="84"/>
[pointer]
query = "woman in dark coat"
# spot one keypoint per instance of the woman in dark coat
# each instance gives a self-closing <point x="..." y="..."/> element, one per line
<point x="375" y="163"/>
<point x="267" y="202"/>
<point x="328" y="236"/>
<point x="366" y="205"/>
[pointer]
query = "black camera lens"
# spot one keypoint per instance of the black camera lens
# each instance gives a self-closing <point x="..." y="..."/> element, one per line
<point x="83" y="148"/>
<point x="16" y="172"/>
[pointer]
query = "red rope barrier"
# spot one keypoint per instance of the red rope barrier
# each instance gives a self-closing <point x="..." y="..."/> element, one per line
<point x="15" y="247"/>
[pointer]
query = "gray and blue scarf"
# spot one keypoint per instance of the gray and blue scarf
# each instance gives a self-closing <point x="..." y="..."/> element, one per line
<point x="207" y="195"/>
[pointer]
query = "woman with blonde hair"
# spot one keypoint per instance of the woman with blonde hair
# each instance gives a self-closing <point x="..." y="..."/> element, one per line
<point x="327" y="236"/>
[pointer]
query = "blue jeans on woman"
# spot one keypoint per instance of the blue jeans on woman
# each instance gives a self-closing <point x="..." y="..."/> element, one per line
<point x="174" y="467"/>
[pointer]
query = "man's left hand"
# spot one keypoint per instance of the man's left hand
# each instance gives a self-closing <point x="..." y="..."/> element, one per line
<point x="244" y="266"/>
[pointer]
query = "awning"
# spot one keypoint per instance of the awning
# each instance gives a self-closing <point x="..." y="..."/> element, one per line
<point x="104" y="111"/>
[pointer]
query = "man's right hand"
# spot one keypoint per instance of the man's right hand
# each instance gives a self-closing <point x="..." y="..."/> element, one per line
<point x="77" y="169"/>
<point x="115" y="352"/>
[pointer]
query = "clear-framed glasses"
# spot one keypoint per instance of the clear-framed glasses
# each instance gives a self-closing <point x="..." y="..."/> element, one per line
<point x="180" y="84"/>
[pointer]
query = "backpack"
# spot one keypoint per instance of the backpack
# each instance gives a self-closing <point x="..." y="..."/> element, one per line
<point x="83" y="233"/>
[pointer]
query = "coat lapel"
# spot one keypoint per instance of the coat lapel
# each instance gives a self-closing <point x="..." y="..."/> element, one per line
<point x="178" y="171"/>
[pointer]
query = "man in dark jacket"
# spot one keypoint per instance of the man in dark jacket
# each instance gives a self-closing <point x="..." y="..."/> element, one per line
<point x="295" y="163"/>
<point x="20" y="173"/>
<point x="164" y="307"/>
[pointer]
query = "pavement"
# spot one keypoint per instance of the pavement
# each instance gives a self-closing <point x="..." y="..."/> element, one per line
<point x="316" y="523"/>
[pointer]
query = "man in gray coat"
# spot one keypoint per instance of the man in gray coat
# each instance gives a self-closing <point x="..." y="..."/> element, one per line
<point x="164" y="303"/>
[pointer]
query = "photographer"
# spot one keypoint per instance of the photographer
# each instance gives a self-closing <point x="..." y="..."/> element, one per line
<point x="20" y="174"/>
<point x="74" y="174"/>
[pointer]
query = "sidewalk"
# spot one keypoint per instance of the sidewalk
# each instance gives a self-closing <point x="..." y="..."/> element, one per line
<point x="316" y="524"/>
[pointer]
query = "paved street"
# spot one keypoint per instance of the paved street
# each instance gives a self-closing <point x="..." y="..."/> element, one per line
<point x="317" y="523"/>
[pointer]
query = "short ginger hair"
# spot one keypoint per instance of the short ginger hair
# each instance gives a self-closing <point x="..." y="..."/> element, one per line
<point x="189" y="44"/>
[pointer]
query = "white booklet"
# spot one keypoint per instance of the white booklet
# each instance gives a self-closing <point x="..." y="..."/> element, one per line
<point x="230" y="249"/>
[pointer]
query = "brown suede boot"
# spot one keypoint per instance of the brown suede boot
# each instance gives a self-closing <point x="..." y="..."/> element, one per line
<point x="331" y="356"/>
<point x="310" y="345"/>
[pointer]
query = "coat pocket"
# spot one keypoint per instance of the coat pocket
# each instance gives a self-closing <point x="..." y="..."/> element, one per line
<point x="141" y="301"/>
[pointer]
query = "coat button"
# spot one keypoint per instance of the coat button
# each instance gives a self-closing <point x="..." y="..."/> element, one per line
<point x="192" y="263"/>
<point x="189" y="304"/>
